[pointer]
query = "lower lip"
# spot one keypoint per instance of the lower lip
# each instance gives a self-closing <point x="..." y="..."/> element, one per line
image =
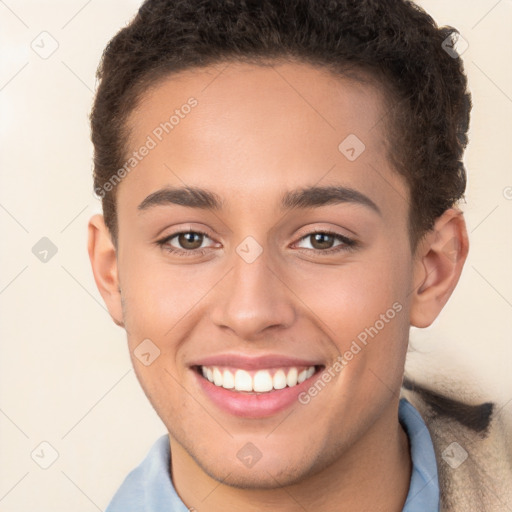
<point x="253" y="405"/>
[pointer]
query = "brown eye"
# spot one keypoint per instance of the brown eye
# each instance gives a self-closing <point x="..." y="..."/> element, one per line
<point x="322" y="240"/>
<point x="190" y="240"/>
<point x="187" y="243"/>
<point x="325" y="242"/>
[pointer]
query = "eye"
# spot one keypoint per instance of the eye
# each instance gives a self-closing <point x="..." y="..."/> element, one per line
<point x="190" y="240"/>
<point x="184" y="243"/>
<point x="325" y="242"/>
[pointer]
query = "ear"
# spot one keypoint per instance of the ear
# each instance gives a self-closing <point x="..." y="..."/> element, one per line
<point x="439" y="259"/>
<point x="102" y="254"/>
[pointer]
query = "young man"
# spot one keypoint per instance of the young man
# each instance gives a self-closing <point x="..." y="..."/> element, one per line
<point x="279" y="184"/>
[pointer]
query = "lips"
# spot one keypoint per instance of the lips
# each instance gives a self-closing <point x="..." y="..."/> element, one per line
<point x="254" y="387"/>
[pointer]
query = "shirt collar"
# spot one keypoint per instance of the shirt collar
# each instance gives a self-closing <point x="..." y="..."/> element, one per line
<point x="423" y="495"/>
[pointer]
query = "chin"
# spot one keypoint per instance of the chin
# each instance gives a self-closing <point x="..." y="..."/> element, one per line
<point x="266" y="473"/>
<point x="256" y="479"/>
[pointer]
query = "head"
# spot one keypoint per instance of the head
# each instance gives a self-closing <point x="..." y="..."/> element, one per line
<point x="279" y="185"/>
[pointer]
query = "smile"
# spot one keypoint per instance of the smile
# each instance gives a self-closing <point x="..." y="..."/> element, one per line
<point x="254" y="387"/>
<point x="261" y="381"/>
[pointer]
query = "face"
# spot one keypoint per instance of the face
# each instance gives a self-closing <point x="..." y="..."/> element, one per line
<point x="288" y="275"/>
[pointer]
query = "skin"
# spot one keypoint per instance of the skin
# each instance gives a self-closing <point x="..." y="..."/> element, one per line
<point x="256" y="133"/>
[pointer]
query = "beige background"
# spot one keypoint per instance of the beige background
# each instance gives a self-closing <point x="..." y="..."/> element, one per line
<point x="65" y="373"/>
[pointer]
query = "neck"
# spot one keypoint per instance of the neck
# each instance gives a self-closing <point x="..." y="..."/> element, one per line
<point x="374" y="474"/>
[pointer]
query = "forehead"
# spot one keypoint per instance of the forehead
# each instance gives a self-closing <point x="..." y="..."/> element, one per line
<point x="261" y="128"/>
<point x="275" y="97"/>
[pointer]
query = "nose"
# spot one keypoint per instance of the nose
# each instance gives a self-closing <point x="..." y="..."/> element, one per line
<point x="253" y="299"/>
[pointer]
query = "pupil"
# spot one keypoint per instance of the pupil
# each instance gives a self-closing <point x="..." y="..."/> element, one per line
<point x="323" y="239"/>
<point x="187" y="240"/>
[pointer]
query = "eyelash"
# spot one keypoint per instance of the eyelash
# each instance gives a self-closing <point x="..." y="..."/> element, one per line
<point x="346" y="245"/>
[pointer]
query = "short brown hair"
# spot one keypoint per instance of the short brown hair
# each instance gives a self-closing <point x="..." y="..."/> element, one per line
<point x="393" y="41"/>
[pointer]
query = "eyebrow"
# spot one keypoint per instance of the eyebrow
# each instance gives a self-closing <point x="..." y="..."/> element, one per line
<point x="307" y="197"/>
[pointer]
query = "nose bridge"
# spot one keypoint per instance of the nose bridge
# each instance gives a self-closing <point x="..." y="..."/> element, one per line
<point x="252" y="298"/>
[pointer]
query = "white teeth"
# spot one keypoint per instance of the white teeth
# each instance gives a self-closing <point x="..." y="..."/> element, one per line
<point x="279" y="380"/>
<point x="243" y="381"/>
<point x="261" y="382"/>
<point x="217" y="377"/>
<point x="302" y="376"/>
<point x="228" y="381"/>
<point x="291" y="378"/>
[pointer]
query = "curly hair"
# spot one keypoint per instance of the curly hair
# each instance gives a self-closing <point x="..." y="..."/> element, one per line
<point x="394" y="42"/>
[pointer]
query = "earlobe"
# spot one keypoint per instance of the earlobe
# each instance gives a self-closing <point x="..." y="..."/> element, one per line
<point x="439" y="260"/>
<point x="102" y="255"/>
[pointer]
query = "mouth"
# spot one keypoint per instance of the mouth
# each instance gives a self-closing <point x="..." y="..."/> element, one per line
<point x="254" y="390"/>
<point x="260" y="381"/>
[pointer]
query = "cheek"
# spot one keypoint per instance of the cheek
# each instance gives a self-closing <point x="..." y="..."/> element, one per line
<point x="349" y="298"/>
<point x="158" y="295"/>
<point x="363" y="308"/>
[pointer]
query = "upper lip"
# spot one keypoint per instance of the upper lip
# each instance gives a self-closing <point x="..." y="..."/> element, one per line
<point x="255" y="362"/>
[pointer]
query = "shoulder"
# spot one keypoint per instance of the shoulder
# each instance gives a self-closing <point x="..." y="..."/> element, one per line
<point x="472" y="443"/>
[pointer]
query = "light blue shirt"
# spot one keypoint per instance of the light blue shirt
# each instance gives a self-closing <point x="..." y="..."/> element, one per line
<point x="148" y="488"/>
<point x="423" y="495"/>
